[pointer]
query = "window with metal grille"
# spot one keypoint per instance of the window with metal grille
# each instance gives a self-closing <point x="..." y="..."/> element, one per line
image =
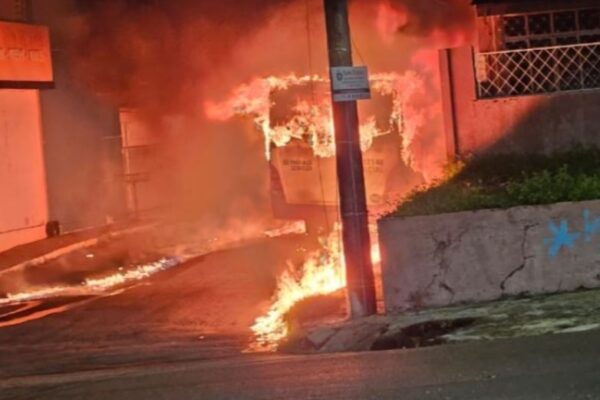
<point x="542" y="53"/>
<point x="552" y="28"/>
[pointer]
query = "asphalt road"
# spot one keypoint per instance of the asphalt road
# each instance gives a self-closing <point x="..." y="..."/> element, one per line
<point x="180" y="336"/>
<point x="546" y="368"/>
<point x="199" y="310"/>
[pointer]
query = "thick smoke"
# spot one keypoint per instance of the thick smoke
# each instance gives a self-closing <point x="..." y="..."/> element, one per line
<point x="159" y="55"/>
<point x="156" y="54"/>
<point x="167" y="58"/>
<point x="162" y="58"/>
<point x="444" y="20"/>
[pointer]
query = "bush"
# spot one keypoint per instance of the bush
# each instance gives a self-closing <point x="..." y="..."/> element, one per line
<point x="546" y="187"/>
<point x="509" y="180"/>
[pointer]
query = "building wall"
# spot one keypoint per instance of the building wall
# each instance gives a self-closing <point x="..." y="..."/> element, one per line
<point x="23" y="202"/>
<point x="58" y="157"/>
<point x="533" y="123"/>
<point x="81" y="132"/>
<point x="23" y="197"/>
<point x="520" y="6"/>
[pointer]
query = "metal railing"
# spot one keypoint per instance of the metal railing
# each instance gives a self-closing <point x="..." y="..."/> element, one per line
<point x="538" y="70"/>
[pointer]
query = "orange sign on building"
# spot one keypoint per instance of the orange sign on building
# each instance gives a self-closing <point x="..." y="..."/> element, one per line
<point x="25" y="55"/>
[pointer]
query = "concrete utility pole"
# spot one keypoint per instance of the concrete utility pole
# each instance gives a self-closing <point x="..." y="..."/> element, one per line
<point x="355" y="223"/>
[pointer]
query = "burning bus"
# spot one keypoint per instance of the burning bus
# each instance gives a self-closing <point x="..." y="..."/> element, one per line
<point x="303" y="171"/>
<point x="294" y="115"/>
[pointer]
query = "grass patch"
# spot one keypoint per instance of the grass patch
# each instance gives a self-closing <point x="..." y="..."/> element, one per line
<point x="505" y="181"/>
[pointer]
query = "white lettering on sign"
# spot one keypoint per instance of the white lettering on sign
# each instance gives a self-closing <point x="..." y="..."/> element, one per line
<point x="350" y="83"/>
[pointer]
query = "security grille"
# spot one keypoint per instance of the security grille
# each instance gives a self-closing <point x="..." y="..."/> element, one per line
<point x="538" y="70"/>
<point x="553" y="28"/>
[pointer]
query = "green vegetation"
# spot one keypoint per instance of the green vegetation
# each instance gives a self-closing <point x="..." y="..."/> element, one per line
<point x="505" y="181"/>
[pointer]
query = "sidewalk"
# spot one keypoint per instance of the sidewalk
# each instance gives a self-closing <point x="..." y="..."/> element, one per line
<point x="504" y="319"/>
<point x="44" y="250"/>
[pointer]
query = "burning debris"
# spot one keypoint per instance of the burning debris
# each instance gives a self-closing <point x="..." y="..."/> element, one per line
<point x="95" y="286"/>
<point x="157" y="250"/>
<point x="322" y="274"/>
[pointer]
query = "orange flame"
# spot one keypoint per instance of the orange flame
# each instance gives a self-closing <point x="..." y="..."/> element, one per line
<point x="95" y="286"/>
<point x="323" y="273"/>
<point x="313" y="121"/>
<point x="407" y="113"/>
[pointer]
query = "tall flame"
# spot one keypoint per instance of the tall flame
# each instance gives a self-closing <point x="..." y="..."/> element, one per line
<point x="312" y="120"/>
<point x="322" y="273"/>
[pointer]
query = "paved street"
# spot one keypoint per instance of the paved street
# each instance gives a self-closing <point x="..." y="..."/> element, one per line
<point x="198" y="310"/>
<point x="551" y="367"/>
<point x="181" y="336"/>
<point x="299" y="199"/>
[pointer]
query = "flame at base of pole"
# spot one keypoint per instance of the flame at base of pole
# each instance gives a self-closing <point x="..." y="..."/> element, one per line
<point x="323" y="273"/>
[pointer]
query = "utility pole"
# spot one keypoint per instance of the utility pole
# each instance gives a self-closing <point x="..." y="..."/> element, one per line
<point x="353" y="203"/>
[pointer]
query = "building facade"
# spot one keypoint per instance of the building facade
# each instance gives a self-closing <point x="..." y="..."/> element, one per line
<point x="83" y="162"/>
<point x="25" y="69"/>
<point x="57" y="159"/>
<point x="530" y="81"/>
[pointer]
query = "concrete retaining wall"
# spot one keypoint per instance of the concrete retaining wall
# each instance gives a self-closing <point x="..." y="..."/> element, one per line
<point x="477" y="256"/>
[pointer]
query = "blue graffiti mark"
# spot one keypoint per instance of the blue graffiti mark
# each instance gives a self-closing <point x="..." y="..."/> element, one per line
<point x="561" y="238"/>
<point x="590" y="227"/>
